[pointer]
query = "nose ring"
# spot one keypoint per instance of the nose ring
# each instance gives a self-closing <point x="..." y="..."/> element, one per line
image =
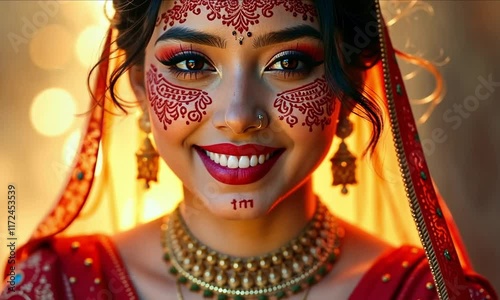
<point x="260" y="117"/>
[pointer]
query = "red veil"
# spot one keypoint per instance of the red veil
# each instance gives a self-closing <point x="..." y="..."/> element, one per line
<point x="434" y="226"/>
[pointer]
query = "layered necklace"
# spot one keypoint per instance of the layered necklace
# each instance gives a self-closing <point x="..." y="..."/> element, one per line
<point x="289" y="270"/>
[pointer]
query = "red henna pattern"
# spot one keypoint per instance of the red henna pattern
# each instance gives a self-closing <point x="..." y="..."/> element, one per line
<point x="170" y="101"/>
<point x="236" y="13"/>
<point x="314" y="101"/>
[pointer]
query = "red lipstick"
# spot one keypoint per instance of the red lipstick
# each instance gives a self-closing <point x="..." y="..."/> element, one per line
<point x="238" y="176"/>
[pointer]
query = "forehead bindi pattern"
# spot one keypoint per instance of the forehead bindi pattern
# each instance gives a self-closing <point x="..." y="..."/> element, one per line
<point x="239" y="14"/>
<point x="171" y="102"/>
<point x="314" y="102"/>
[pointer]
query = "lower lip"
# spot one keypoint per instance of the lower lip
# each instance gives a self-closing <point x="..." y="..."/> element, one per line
<point x="237" y="176"/>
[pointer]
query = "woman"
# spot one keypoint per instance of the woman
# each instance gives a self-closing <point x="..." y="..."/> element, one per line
<point x="244" y="99"/>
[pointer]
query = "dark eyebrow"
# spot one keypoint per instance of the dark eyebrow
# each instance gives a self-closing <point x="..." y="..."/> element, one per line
<point x="192" y="36"/>
<point x="286" y="35"/>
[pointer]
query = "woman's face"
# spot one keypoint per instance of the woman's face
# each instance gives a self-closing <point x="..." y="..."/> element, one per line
<point x="210" y="71"/>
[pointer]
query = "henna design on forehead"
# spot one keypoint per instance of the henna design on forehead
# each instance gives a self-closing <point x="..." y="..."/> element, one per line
<point x="171" y="102"/>
<point x="314" y="101"/>
<point x="239" y="14"/>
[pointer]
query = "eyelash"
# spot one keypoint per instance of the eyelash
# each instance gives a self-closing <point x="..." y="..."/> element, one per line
<point x="171" y="60"/>
<point x="306" y="60"/>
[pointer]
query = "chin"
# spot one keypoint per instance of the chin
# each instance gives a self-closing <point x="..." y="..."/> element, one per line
<point x="246" y="209"/>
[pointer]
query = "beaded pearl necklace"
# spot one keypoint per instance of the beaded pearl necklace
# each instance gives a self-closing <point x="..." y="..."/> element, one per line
<point x="289" y="270"/>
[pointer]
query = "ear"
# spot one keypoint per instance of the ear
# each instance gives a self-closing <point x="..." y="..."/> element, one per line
<point x="136" y="76"/>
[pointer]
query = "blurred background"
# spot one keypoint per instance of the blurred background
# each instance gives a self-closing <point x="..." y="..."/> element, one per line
<point x="48" y="48"/>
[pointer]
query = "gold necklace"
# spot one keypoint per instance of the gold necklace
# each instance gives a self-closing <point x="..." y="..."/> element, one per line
<point x="180" y="296"/>
<point x="289" y="270"/>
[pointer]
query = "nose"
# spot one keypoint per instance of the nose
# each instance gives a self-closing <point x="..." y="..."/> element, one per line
<point x="240" y="118"/>
<point x="243" y="112"/>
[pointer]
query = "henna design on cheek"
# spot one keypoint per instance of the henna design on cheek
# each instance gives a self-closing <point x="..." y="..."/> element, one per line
<point x="314" y="101"/>
<point x="242" y="204"/>
<point x="239" y="14"/>
<point x="171" y="102"/>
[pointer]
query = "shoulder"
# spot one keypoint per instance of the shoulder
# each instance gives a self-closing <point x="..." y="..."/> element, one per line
<point x="358" y="252"/>
<point x="139" y="245"/>
<point x="61" y="267"/>
<point x="400" y="273"/>
<point x="142" y="253"/>
<point x="38" y="276"/>
<point x="370" y="268"/>
<point x="404" y="273"/>
<point x="42" y="273"/>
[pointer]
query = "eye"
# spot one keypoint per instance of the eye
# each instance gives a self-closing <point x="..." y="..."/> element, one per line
<point x="291" y="64"/>
<point x="287" y="64"/>
<point x="193" y="64"/>
<point x="187" y="64"/>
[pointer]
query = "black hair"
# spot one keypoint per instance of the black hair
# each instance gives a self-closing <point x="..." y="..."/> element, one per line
<point x="341" y="22"/>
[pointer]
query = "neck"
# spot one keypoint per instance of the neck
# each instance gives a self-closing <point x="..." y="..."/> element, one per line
<point x="244" y="238"/>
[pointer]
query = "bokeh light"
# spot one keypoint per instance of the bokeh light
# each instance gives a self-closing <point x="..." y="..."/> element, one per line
<point x="51" y="47"/>
<point x="52" y="112"/>
<point x="87" y="42"/>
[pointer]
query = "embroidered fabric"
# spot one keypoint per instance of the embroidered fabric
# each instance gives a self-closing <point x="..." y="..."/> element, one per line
<point x="86" y="267"/>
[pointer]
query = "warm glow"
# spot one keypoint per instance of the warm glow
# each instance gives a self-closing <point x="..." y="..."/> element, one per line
<point x="109" y="11"/>
<point x="156" y="204"/>
<point x="70" y="149"/>
<point x="152" y="209"/>
<point x="86" y="44"/>
<point x="102" y="10"/>
<point x="51" y="47"/>
<point x="127" y="214"/>
<point x="52" y="112"/>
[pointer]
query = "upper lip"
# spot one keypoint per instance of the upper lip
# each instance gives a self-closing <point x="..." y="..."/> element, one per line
<point x="239" y="150"/>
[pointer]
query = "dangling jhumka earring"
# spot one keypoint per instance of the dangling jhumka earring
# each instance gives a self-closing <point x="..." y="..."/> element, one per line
<point x="343" y="161"/>
<point x="147" y="156"/>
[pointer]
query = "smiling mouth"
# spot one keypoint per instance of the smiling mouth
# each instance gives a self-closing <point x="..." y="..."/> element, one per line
<point x="238" y="162"/>
<point x="237" y="165"/>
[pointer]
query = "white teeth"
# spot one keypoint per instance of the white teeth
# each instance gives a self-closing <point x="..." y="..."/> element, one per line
<point x="223" y="160"/>
<point x="244" y="162"/>
<point x="234" y="162"/>
<point x="254" y="161"/>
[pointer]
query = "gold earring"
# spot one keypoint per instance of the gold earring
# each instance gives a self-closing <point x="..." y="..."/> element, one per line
<point x="147" y="156"/>
<point x="343" y="161"/>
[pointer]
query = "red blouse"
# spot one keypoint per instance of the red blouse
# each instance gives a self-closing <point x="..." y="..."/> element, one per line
<point x="89" y="267"/>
